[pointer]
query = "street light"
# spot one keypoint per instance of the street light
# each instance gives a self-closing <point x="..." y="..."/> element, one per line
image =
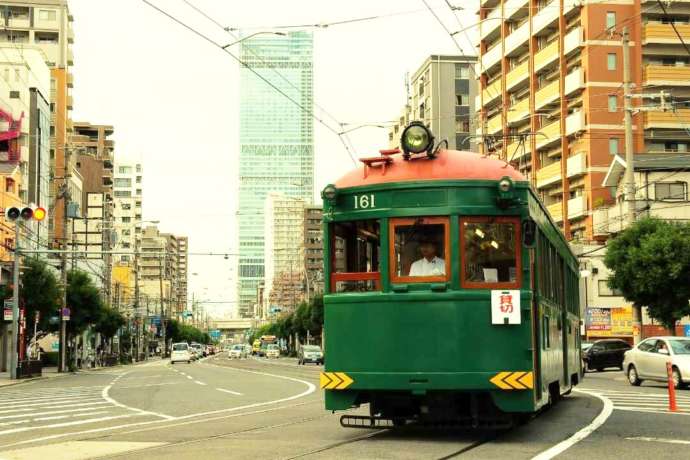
<point x="252" y="35"/>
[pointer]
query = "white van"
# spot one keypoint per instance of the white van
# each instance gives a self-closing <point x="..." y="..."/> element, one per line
<point x="180" y="352"/>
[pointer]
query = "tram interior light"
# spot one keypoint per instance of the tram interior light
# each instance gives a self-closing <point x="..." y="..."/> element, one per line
<point x="416" y="138"/>
<point x="479" y="233"/>
<point x="494" y="244"/>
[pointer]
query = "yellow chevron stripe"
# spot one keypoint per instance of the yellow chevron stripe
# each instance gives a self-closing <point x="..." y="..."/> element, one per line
<point x="512" y="380"/>
<point x="498" y="380"/>
<point x="346" y="380"/>
<point x="527" y="380"/>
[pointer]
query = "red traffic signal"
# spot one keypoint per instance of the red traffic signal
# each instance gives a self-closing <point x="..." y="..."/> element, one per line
<point x="13" y="213"/>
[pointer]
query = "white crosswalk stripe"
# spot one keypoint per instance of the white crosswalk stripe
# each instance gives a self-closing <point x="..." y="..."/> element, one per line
<point x="642" y="401"/>
<point x="28" y="409"/>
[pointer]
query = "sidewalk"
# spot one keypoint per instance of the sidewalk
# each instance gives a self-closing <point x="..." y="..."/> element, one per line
<point x="48" y="372"/>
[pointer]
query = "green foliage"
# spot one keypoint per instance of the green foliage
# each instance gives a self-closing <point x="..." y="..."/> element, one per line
<point x="179" y="332"/>
<point x="83" y="300"/>
<point x="307" y="317"/>
<point x="651" y="267"/>
<point x="109" y="322"/>
<point x="40" y="292"/>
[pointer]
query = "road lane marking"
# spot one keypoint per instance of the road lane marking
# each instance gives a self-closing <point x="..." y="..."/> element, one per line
<point x="199" y="383"/>
<point x="50" y="413"/>
<point x="62" y="425"/>
<point x="190" y="377"/>
<point x="106" y="396"/>
<point x="69" y="403"/>
<point x="599" y="420"/>
<point x="17" y="402"/>
<point x="60" y="417"/>
<point x="664" y="440"/>
<point x="229" y="391"/>
<point x="79" y="450"/>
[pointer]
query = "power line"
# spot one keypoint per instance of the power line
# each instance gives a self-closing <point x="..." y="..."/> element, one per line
<point x="248" y="67"/>
<point x="675" y="29"/>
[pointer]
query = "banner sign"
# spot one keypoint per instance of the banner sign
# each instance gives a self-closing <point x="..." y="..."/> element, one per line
<point x="609" y="322"/>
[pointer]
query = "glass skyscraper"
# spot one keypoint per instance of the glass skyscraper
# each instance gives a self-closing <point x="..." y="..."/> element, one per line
<point x="276" y="142"/>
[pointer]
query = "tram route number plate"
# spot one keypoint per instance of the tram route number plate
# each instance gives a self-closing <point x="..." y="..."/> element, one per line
<point x="505" y="306"/>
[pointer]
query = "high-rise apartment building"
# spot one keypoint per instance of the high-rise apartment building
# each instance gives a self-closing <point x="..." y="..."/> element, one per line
<point x="313" y="249"/>
<point x="180" y="296"/>
<point x="283" y="251"/>
<point x="276" y="142"/>
<point x="551" y="97"/>
<point x="47" y="25"/>
<point x="127" y="201"/>
<point x="441" y="93"/>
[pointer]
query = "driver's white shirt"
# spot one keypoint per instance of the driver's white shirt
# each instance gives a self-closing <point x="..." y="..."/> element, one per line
<point x="422" y="267"/>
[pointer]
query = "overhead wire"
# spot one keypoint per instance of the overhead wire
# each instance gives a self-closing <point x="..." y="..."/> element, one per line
<point x="248" y="67"/>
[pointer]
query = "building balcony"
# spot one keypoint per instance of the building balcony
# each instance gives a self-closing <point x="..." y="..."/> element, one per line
<point x="491" y="23"/>
<point x="19" y="22"/>
<point x="549" y="175"/>
<point x="512" y="8"/>
<point x="574" y="122"/>
<point x="491" y="57"/>
<point x="574" y="81"/>
<point x="577" y="164"/>
<point x="547" y="95"/>
<point x="519" y="112"/>
<point x="70" y="103"/>
<point x="667" y="75"/>
<point x="546" y="56"/>
<point x="600" y="221"/>
<point x="492" y="91"/>
<point x="680" y="119"/>
<point x="577" y="207"/>
<point x="70" y="56"/>
<point x="572" y="41"/>
<point x="70" y="36"/>
<point x="70" y="80"/>
<point x="517" y="38"/>
<point x="545" y="17"/>
<point x="517" y="75"/>
<point x="656" y="32"/>
<point x="556" y="211"/>
<point x="495" y="124"/>
<point x="549" y="134"/>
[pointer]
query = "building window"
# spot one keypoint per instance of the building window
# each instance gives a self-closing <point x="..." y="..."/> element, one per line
<point x="125" y="170"/>
<point x="462" y="99"/>
<point x="462" y="71"/>
<point x="670" y="191"/>
<point x="138" y="179"/>
<point x="611" y="61"/>
<point x="47" y="15"/>
<point x="613" y="103"/>
<point x="126" y="220"/>
<point x="610" y="20"/>
<point x="606" y="291"/>
<point x="123" y="193"/>
<point x="123" y="182"/>
<point x="462" y="125"/>
<point x="14" y="94"/>
<point x="613" y="146"/>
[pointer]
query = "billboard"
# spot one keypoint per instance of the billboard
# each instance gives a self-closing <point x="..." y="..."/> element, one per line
<point x="609" y="321"/>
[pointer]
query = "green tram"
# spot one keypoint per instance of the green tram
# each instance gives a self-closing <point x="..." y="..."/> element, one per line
<point x="451" y="295"/>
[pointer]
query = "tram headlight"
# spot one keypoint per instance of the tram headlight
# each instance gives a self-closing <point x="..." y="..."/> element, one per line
<point x="416" y="138"/>
<point x="329" y="193"/>
<point x="506" y="192"/>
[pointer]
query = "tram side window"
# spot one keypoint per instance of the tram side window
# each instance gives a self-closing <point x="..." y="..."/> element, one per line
<point x="420" y="249"/>
<point x="356" y="256"/>
<point x="490" y="252"/>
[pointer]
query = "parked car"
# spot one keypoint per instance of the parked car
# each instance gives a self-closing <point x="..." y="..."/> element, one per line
<point x="180" y="353"/>
<point x="605" y="353"/>
<point x="238" y="351"/>
<point x="272" y="351"/>
<point x="647" y="361"/>
<point x="309" y="354"/>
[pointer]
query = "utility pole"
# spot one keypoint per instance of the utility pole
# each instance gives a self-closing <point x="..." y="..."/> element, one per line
<point x="14" y="357"/>
<point x="160" y="284"/>
<point x="627" y="121"/>
<point x="136" y="289"/>
<point x="62" y="361"/>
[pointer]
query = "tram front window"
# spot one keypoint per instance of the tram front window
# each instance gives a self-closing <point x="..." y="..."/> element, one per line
<point x="420" y="249"/>
<point x="490" y="252"/>
<point x="356" y="248"/>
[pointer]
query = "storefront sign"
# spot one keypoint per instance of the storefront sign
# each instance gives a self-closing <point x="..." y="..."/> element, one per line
<point x="609" y="322"/>
<point x="7" y="314"/>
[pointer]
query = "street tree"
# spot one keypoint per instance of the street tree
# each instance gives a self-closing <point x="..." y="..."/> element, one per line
<point x="84" y="301"/>
<point x="650" y="261"/>
<point x="40" y="293"/>
<point x="109" y="322"/>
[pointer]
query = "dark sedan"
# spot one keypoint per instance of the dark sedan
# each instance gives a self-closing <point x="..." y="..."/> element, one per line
<point x="605" y="353"/>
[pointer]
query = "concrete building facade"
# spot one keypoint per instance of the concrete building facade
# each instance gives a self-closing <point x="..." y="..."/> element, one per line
<point x="551" y="97"/>
<point x="276" y="142"/>
<point x="313" y="250"/>
<point x="441" y="93"/>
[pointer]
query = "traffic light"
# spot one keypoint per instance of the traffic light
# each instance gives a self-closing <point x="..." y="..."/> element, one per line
<point x="13" y="213"/>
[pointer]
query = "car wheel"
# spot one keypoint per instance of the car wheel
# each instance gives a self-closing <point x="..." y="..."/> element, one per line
<point x="600" y="369"/>
<point x="189" y="361"/>
<point x="677" y="381"/>
<point x="633" y="378"/>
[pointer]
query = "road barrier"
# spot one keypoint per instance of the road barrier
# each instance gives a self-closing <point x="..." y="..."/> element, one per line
<point x="671" y="389"/>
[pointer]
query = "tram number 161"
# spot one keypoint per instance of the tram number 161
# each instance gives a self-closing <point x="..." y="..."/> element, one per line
<point x="364" y="201"/>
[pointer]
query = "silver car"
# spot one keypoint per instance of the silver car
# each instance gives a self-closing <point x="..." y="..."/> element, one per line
<point x="647" y="361"/>
<point x="238" y="351"/>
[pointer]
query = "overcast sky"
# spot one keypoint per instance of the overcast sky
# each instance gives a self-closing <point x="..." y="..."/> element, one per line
<point x="173" y="98"/>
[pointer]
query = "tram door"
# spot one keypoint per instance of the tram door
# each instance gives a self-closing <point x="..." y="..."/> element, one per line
<point x="536" y="321"/>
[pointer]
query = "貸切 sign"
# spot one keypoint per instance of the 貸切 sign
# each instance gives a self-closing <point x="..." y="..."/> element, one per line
<point x="505" y="307"/>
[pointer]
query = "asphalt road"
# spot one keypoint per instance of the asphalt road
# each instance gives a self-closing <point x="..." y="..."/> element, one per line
<point x="260" y="409"/>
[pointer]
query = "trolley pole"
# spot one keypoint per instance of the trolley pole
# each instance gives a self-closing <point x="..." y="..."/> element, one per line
<point x="14" y="357"/>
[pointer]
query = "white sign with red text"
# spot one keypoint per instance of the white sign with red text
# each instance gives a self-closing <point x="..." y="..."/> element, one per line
<point x="505" y="306"/>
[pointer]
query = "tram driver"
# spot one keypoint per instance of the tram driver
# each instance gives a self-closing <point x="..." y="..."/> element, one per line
<point x="430" y="264"/>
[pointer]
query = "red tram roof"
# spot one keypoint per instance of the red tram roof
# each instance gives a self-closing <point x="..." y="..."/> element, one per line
<point x="448" y="165"/>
